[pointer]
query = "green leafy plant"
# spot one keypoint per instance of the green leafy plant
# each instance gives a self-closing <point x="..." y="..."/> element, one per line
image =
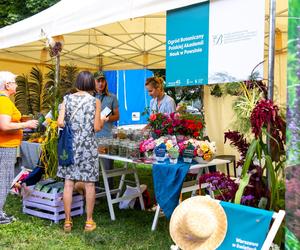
<point x="291" y="241"/>
<point x="68" y="77"/>
<point x="242" y="108"/>
<point x="216" y="90"/>
<point x="37" y="92"/>
<point x="230" y="88"/>
<point x="265" y="115"/>
<point x="22" y="100"/>
<point x="32" y="95"/>
<point x="49" y="157"/>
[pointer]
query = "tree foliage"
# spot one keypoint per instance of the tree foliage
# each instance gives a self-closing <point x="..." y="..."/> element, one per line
<point x="12" y="11"/>
<point x="181" y="93"/>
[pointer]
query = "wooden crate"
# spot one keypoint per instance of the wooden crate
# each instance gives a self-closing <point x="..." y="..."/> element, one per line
<point x="51" y="206"/>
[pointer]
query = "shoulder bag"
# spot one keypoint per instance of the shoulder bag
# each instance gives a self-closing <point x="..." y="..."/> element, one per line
<point x="65" y="141"/>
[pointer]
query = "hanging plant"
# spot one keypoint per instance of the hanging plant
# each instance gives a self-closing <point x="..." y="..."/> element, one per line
<point x="216" y="90"/>
<point x="55" y="49"/>
<point x="55" y="45"/>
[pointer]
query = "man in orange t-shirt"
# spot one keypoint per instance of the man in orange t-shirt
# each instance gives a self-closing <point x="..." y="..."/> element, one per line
<point x="10" y="137"/>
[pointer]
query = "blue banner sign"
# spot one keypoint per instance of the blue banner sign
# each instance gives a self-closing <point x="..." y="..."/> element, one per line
<point x="187" y="45"/>
<point x="214" y="42"/>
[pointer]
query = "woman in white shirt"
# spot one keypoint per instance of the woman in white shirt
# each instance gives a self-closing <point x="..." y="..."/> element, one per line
<point x="161" y="102"/>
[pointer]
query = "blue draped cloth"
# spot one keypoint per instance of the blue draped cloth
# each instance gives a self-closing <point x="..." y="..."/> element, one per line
<point x="168" y="179"/>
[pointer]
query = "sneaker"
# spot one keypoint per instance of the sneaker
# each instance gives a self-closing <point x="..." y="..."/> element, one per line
<point x="5" y="219"/>
<point x="11" y="217"/>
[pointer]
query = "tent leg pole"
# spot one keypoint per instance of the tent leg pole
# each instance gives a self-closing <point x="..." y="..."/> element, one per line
<point x="271" y="55"/>
<point x="271" y="58"/>
<point x="57" y="70"/>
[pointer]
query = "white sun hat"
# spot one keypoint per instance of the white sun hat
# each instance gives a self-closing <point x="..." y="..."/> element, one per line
<point x="198" y="223"/>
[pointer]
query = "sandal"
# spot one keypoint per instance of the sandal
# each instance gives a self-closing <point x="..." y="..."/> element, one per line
<point x="90" y="226"/>
<point x="68" y="226"/>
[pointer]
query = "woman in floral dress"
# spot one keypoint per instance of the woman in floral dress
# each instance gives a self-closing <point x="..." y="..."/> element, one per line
<point x="85" y="122"/>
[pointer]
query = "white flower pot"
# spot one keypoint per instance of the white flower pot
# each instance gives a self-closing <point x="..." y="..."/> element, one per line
<point x="201" y="160"/>
<point x="173" y="160"/>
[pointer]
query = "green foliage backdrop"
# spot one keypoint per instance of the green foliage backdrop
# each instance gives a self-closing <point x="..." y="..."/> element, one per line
<point x="12" y="11"/>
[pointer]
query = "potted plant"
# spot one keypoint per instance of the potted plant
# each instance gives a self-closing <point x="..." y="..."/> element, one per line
<point x="205" y="151"/>
<point x="173" y="155"/>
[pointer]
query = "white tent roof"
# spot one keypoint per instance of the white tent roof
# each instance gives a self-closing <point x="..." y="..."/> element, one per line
<point x="115" y="34"/>
<point x="134" y="43"/>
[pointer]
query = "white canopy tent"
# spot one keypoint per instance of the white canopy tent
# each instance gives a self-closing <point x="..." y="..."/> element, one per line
<point x="124" y="34"/>
<point x="116" y="34"/>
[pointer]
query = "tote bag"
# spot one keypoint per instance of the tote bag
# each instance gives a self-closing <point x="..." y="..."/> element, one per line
<point x="65" y="142"/>
<point x="65" y="146"/>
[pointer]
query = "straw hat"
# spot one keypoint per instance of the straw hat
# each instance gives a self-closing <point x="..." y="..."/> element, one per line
<point x="198" y="223"/>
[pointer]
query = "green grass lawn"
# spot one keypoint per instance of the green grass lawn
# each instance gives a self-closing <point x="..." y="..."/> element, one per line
<point x="131" y="230"/>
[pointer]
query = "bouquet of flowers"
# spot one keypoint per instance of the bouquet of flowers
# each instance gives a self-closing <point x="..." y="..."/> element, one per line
<point x="224" y="188"/>
<point x="177" y="124"/>
<point x="147" y="145"/>
<point x="187" y="124"/>
<point x="160" y="124"/>
<point x="203" y="150"/>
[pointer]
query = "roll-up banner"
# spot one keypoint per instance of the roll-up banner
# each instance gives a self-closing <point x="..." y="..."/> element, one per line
<point x="214" y="42"/>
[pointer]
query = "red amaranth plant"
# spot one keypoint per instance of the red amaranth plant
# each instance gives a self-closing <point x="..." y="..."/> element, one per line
<point x="266" y="114"/>
<point x="237" y="140"/>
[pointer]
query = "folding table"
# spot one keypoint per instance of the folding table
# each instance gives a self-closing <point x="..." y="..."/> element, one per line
<point x="119" y="172"/>
<point x="189" y="186"/>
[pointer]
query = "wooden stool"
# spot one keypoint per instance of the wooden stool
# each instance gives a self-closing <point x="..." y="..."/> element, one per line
<point x="230" y="158"/>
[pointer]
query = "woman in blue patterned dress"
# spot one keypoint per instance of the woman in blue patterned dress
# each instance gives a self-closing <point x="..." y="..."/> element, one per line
<point x="85" y="122"/>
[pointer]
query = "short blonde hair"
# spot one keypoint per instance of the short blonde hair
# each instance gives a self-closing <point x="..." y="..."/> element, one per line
<point x="5" y="77"/>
